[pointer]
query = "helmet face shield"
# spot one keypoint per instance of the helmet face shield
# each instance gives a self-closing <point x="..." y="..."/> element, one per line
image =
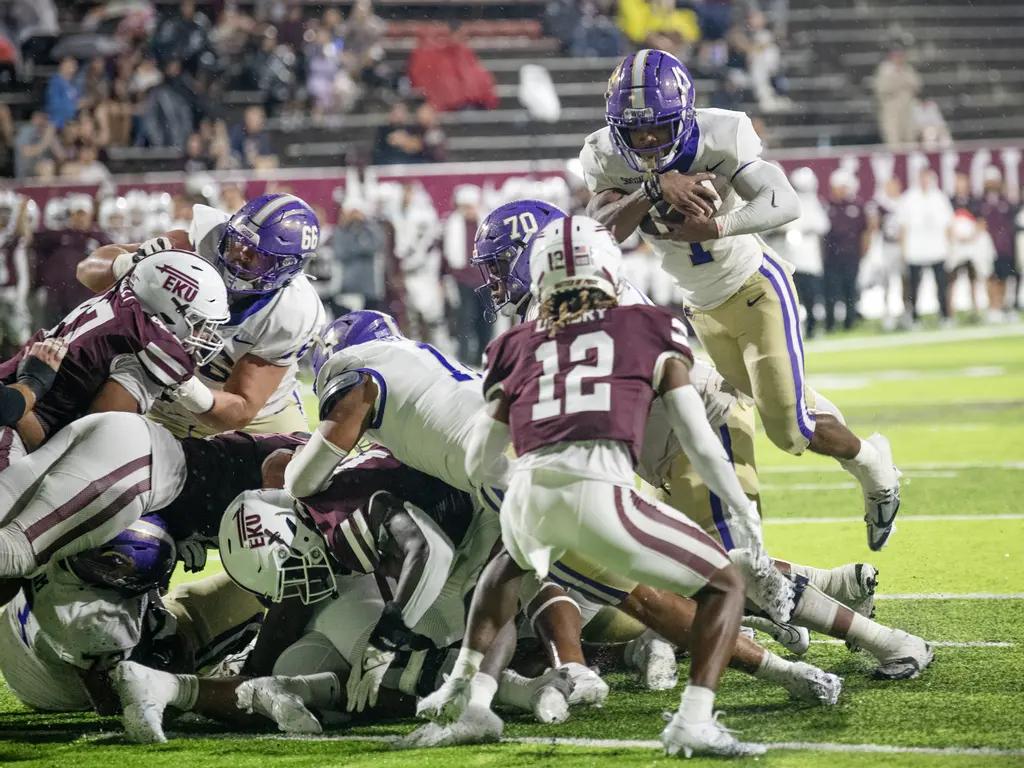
<point x="248" y="269"/>
<point x="204" y="341"/>
<point x="306" y="576"/>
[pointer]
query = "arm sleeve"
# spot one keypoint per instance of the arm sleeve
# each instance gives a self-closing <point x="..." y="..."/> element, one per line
<point x="771" y="200"/>
<point x="310" y="470"/>
<point x="486" y="462"/>
<point x="12" y="406"/>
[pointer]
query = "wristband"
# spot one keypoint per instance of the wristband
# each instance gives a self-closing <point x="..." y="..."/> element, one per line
<point x="122" y="264"/>
<point x="651" y="187"/>
<point x="194" y="396"/>
<point x="36" y="375"/>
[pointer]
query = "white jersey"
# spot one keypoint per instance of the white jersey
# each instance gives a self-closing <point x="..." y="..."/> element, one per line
<point x="279" y="327"/>
<point x="425" y="403"/>
<point x="710" y="272"/>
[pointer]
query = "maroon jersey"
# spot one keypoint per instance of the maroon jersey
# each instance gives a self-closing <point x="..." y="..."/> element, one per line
<point x="56" y="254"/>
<point x="217" y="469"/>
<point x="342" y="515"/>
<point x="999" y="215"/>
<point x="107" y="335"/>
<point x="593" y="381"/>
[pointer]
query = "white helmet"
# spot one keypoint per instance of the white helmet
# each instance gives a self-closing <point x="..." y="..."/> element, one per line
<point x="9" y="201"/>
<point x="113" y="218"/>
<point x="804" y="180"/>
<point x="572" y="254"/>
<point x="55" y="213"/>
<point x="188" y="295"/>
<point x="268" y="550"/>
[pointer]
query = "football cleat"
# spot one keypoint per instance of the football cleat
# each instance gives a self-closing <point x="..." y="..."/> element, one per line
<point x="856" y="588"/>
<point x="881" y="503"/>
<point x="587" y="686"/>
<point x="270" y="697"/>
<point x="794" y="639"/>
<point x="808" y="683"/>
<point x="447" y="703"/>
<point x="476" y="725"/>
<point x="909" y="657"/>
<point x="144" y="697"/>
<point x="655" y="660"/>
<point x="550" y="702"/>
<point x="709" y="737"/>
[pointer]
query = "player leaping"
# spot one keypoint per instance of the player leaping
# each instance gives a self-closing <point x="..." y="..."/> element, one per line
<point x="647" y="169"/>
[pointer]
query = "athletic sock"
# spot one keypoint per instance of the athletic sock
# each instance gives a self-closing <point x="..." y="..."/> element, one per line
<point x="17" y="559"/>
<point x="772" y="668"/>
<point x="467" y="663"/>
<point x="828" y="580"/>
<point x="319" y="691"/>
<point x="697" y="703"/>
<point x="184" y="689"/>
<point x="819" y="612"/>
<point x="481" y="690"/>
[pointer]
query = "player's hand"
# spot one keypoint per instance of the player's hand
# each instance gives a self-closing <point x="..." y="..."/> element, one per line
<point x="363" y="689"/>
<point x="685" y="193"/>
<point x="392" y="634"/>
<point x="151" y="246"/>
<point x="747" y="533"/>
<point x="50" y="352"/>
<point x="192" y="553"/>
<point x="695" y="229"/>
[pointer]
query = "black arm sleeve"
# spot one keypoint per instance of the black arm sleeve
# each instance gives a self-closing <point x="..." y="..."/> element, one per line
<point x="12" y="406"/>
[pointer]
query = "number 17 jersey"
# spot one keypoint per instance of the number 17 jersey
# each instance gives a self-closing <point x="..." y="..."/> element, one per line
<point x="593" y="380"/>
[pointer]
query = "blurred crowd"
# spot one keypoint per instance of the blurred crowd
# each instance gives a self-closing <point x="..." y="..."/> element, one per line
<point x="966" y="243"/>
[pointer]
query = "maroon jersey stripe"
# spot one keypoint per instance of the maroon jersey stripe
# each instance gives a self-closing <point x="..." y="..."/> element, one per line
<point x="570" y="260"/>
<point x="6" y="441"/>
<point x="683" y="557"/>
<point x="84" y="498"/>
<point x="122" y="501"/>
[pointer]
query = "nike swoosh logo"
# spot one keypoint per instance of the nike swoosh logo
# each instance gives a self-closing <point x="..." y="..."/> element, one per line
<point x="237" y="340"/>
<point x="753" y="301"/>
<point x="773" y="199"/>
<point x="712" y="168"/>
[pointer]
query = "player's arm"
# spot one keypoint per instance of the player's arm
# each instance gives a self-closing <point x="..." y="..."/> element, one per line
<point x="489" y="438"/>
<point x="251" y="383"/>
<point x="350" y="409"/>
<point x="101" y="693"/>
<point x="620" y="212"/>
<point x="109" y="263"/>
<point x="284" y="623"/>
<point x="36" y="374"/>
<point x="114" y="397"/>
<point x="685" y="412"/>
<point x="771" y="201"/>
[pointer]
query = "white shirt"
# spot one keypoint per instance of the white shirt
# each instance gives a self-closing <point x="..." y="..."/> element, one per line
<point x="924" y="218"/>
<point x="710" y="272"/>
<point x="425" y="404"/>
<point x="278" y="328"/>
<point x="803" y="236"/>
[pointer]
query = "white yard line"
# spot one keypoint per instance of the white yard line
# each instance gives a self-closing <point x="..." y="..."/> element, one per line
<point x="951" y="596"/>
<point x="940" y="466"/>
<point x="937" y="643"/>
<point x="900" y="520"/>
<point x="916" y="339"/>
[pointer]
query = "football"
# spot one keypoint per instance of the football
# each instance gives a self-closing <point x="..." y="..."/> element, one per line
<point x="663" y="213"/>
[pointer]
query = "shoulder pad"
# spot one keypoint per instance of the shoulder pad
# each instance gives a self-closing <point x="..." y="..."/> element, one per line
<point x="337" y="387"/>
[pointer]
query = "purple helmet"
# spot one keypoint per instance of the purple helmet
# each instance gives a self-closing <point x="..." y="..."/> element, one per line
<point x="138" y="559"/>
<point x="267" y="243"/>
<point x="350" y="329"/>
<point x="500" y="249"/>
<point x="650" y="89"/>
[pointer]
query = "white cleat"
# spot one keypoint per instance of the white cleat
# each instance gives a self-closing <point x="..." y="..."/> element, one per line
<point x="855" y="587"/>
<point x="587" y="686"/>
<point x="909" y="657"/>
<point x="447" y="703"/>
<point x="881" y="501"/>
<point x="143" y="701"/>
<point x="270" y="697"/>
<point x="794" y="639"/>
<point x="767" y="587"/>
<point x="709" y="737"/>
<point x="477" y="725"/>
<point x="808" y="683"/>
<point x="655" y="660"/>
<point x="550" y="703"/>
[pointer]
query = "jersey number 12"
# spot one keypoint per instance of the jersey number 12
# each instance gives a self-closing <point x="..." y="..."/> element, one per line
<point x="576" y="400"/>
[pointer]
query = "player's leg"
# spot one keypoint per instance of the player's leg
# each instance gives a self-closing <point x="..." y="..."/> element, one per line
<point x="96" y="487"/>
<point x="11" y="447"/>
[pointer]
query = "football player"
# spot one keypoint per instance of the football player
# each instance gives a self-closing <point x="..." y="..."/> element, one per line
<point x="36" y="374"/>
<point x="15" y="234"/>
<point x="567" y="391"/>
<point x="652" y="167"/>
<point x="260" y="251"/>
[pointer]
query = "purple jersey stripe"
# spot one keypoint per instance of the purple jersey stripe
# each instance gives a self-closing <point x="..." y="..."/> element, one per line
<point x="84" y="498"/>
<point x="717" y="513"/>
<point x="794" y="344"/>
<point x="608" y="591"/>
<point x="378" y="417"/>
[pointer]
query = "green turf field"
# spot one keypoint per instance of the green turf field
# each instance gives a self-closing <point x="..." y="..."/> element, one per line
<point x="953" y="406"/>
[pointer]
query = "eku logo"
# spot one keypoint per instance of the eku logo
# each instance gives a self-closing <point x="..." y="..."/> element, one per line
<point x="178" y="283"/>
<point x="250" y="532"/>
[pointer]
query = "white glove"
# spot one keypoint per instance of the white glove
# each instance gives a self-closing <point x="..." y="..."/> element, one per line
<point x="746" y="527"/>
<point x="192" y="553"/>
<point x="192" y="394"/>
<point x="123" y="262"/>
<point x="362" y="690"/>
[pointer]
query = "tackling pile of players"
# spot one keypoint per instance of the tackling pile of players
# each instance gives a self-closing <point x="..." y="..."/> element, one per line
<point x="438" y="544"/>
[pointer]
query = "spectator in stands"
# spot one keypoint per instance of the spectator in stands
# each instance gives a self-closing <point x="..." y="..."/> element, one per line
<point x="87" y="169"/>
<point x="397" y="142"/>
<point x="846" y="243"/>
<point x="269" y="69"/>
<point x="658" y="23"/>
<point x="363" y="32"/>
<point x="471" y="331"/>
<point x="803" y="244"/>
<point x="764" y="60"/>
<point x="182" y="36"/>
<point x="930" y="126"/>
<point x="197" y="158"/>
<point x="925" y="217"/>
<point x="594" y="34"/>
<point x="56" y="254"/>
<point x="62" y="95"/>
<point x="219" y="146"/>
<point x="428" y="128"/>
<point x="965" y="241"/>
<point x="358" y="242"/>
<point x="232" y="197"/>
<point x="35" y="142"/>
<point x="114" y="115"/>
<point x="249" y="140"/>
<point x="896" y="87"/>
<point x="168" y="111"/>
<point x="92" y="82"/>
<point x="449" y="73"/>
<point x="998" y="214"/>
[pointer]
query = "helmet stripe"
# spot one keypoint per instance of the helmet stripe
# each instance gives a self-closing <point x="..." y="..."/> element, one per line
<point x="636" y="92"/>
<point x="570" y="260"/>
<point x="268" y="210"/>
